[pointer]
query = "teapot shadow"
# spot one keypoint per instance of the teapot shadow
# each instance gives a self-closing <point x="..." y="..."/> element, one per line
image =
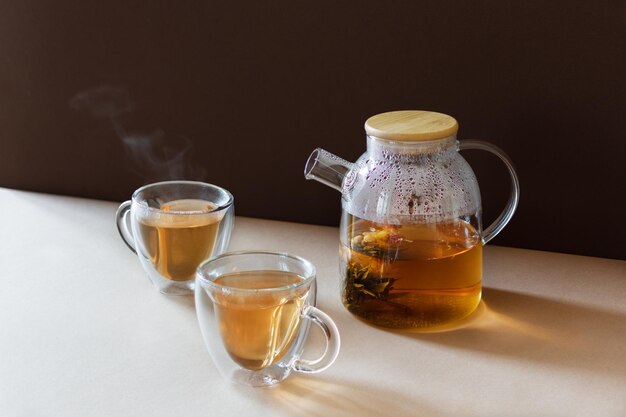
<point x="540" y="329"/>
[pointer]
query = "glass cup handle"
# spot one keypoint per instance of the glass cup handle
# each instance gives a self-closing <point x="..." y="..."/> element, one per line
<point x="123" y="227"/>
<point x="332" y="342"/>
<point x="504" y="217"/>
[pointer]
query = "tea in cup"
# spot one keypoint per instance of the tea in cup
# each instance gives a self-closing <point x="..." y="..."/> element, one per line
<point x="254" y="310"/>
<point x="173" y="226"/>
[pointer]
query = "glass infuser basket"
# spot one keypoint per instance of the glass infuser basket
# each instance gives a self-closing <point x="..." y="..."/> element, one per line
<point x="411" y="233"/>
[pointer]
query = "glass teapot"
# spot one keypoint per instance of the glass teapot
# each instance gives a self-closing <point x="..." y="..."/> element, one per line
<point x="411" y="233"/>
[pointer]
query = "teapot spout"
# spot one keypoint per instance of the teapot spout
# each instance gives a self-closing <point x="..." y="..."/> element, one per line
<point x="327" y="168"/>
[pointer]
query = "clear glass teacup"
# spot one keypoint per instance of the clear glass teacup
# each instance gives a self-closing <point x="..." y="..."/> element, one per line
<point x="254" y="309"/>
<point x="173" y="226"/>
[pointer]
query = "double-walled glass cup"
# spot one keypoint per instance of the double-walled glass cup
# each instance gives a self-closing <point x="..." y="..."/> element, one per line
<point x="174" y="226"/>
<point x="254" y="311"/>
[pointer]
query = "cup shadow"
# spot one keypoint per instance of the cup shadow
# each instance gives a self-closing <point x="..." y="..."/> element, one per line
<point x="318" y="397"/>
<point x="540" y="329"/>
<point x="186" y="300"/>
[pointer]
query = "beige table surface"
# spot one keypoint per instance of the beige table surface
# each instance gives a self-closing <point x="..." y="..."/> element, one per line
<point x="84" y="333"/>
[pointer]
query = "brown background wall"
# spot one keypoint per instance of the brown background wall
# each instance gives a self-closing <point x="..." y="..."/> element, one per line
<point x="239" y="93"/>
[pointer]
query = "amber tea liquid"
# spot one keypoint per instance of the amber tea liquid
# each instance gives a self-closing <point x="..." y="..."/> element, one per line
<point x="410" y="276"/>
<point x="259" y="328"/>
<point x="177" y="244"/>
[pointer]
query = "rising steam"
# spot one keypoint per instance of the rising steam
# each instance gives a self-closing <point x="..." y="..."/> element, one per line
<point x="153" y="154"/>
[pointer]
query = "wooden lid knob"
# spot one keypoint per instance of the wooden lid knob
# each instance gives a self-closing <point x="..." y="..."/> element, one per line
<point x="411" y="125"/>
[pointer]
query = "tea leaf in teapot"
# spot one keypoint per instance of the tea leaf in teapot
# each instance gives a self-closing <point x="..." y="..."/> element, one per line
<point x="360" y="282"/>
<point x="378" y="242"/>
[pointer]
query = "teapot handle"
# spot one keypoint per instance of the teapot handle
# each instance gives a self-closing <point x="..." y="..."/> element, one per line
<point x="504" y="217"/>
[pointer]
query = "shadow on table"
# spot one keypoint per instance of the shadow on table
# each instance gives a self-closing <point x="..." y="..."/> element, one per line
<point x="187" y="301"/>
<point x="316" y="397"/>
<point x="540" y="329"/>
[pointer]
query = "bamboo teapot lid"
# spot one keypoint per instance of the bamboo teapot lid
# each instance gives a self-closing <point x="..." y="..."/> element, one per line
<point x="411" y="125"/>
